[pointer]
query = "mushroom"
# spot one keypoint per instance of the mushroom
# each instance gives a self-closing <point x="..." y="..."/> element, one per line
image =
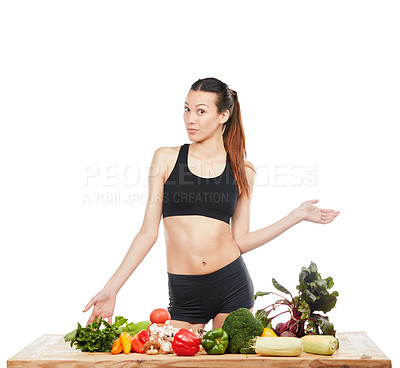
<point x="200" y="332"/>
<point x="152" y="344"/>
<point x="166" y="347"/>
<point x="152" y="351"/>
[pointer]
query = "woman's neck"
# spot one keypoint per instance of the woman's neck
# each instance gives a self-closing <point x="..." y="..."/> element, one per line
<point x="208" y="150"/>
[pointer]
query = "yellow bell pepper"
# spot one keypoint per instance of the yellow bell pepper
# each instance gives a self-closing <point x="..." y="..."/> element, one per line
<point x="268" y="333"/>
<point x="126" y="341"/>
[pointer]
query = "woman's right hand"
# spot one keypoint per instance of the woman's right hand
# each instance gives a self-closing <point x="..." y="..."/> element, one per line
<point x="103" y="303"/>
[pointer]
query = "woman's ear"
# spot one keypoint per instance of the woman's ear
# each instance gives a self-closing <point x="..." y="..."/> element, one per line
<point x="224" y="117"/>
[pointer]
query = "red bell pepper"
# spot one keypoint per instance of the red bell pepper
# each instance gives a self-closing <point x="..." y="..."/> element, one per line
<point x="137" y="346"/>
<point x="144" y="336"/>
<point x="185" y="343"/>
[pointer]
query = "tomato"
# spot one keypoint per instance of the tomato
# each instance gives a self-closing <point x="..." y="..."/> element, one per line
<point x="159" y="315"/>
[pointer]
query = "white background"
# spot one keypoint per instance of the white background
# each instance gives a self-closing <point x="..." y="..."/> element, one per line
<point x="96" y="87"/>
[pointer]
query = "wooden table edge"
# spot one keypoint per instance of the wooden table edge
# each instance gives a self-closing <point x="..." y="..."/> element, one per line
<point x="227" y="360"/>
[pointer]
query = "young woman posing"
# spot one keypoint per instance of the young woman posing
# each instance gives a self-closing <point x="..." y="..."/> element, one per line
<point x="203" y="191"/>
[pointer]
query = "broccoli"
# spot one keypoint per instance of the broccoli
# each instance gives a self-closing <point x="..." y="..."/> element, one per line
<point x="242" y="327"/>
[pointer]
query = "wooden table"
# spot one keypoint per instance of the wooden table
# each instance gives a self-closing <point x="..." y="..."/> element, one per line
<point x="356" y="350"/>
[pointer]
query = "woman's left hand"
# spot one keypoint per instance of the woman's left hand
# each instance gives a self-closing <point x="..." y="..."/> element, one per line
<point x="311" y="213"/>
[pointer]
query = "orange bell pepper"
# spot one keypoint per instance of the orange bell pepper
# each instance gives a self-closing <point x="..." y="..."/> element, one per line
<point x="117" y="347"/>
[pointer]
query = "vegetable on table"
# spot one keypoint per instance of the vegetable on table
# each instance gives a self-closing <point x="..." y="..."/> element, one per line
<point x="166" y="347"/>
<point x="313" y="297"/>
<point x="152" y="351"/>
<point x="278" y="346"/>
<point x="134" y="328"/>
<point x="143" y="336"/>
<point x="99" y="336"/>
<point x="165" y="335"/>
<point x="159" y="315"/>
<point x="153" y="344"/>
<point x="215" y="341"/>
<point x="94" y="338"/>
<point x="319" y="344"/>
<point x="242" y="327"/>
<point x="287" y="334"/>
<point x="137" y="346"/>
<point x="268" y="332"/>
<point x="185" y="343"/>
<point x="126" y="342"/>
<point x="117" y="347"/>
<point x="166" y="330"/>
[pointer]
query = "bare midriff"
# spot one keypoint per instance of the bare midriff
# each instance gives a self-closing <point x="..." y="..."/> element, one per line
<point x="198" y="245"/>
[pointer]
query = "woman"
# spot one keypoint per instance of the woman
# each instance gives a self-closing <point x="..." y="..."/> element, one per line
<point x="203" y="191"/>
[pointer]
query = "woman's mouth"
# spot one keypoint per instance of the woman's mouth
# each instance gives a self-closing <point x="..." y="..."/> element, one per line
<point x="192" y="131"/>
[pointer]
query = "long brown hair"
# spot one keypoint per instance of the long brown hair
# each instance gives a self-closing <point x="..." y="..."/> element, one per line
<point x="233" y="133"/>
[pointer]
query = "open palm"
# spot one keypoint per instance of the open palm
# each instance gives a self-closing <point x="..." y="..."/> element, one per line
<point x="315" y="214"/>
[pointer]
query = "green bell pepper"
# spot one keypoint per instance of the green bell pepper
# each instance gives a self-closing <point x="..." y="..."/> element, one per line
<point x="215" y="341"/>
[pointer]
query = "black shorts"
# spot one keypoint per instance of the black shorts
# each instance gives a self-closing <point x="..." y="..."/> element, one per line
<point x="199" y="298"/>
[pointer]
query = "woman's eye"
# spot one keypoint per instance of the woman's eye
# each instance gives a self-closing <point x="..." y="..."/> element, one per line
<point x="200" y="110"/>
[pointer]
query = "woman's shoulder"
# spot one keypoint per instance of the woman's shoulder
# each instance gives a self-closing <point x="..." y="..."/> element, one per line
<point x="163" y="158"/>
<point x="167" y="151"/>
<point x="166" y="155"/>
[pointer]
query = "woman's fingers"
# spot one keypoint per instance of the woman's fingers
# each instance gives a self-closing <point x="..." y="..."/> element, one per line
<point x="327" y="221"/>
<point x="314" y="201"/>
<point x="88" y="306"/>
<point x="329" y="213"/>
<point x="327" y="210"/>
<point x="326" y="218"/>
<point x="90" y="320"/>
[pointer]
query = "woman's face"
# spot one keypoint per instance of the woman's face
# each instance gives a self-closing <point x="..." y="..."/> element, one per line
<point x="201" y="116"/>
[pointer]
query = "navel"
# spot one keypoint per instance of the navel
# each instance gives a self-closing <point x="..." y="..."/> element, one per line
<point x="204" y="263"/>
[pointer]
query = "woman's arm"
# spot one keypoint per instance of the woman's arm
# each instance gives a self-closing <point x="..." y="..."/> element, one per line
<point x="255" y="239"/>
<point x="140" y="246"/>
<point x="248" y="241"/>
<point x="104" y="301"/>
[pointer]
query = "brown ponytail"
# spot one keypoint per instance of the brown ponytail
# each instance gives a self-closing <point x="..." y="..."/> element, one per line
<point x="233" y="133"/>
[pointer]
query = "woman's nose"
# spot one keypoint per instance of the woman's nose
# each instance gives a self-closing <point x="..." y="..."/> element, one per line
<point x="191" y="118"/>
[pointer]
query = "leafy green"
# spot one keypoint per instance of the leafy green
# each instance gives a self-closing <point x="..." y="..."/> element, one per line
<point x="314" y="296"/>
<point x="261" y="293"/>
<point x="279" y="287"/>
<point x="134" y="328"/>
<point x="99" y="335"/>
<point x="314" y="289"/>
<point x="119" y="321"/>
<point x="262" y="316"/>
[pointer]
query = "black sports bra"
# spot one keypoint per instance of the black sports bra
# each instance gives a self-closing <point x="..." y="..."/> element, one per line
<point x="188" y="194"/>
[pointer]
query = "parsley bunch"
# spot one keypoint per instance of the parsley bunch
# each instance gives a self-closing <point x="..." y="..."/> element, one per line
<point x="93" y="338"/>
